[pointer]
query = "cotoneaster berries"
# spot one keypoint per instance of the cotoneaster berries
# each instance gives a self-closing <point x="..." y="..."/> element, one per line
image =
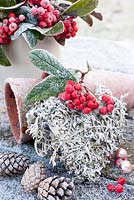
<point x="77" y="102"/>
<point x="118" y="188"/>
<point x="79" y="107"/>
<point x="103" y="111"/>
<point x="86" y="110"/>
<point x="69" y="88"/>
<point x="75" y="96"/>
<point x="70" y="105"/>
<point x="11" y="15"/>
<point x="70" y="29"/>
<point x="13" y="27"/>
<point x="110" y="108"/>
<point x="22" y="18"/>
<point x="77" y="86"/>
<point x="121" y="180"/>
<point x="110" y="187"/>
<point x="45" y="3"/>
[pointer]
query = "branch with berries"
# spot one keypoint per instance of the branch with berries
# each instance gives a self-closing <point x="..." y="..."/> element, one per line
<point x="71" y="123"/>
<point x="37" y="19"/>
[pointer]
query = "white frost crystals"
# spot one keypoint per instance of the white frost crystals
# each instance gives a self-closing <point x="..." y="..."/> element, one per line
<point x="81" y="142"/>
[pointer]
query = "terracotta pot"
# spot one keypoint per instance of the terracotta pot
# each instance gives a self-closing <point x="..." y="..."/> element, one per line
<point x="15" y="93"/>
<point x="17" y="89"/>
<point x="22" y="67"/>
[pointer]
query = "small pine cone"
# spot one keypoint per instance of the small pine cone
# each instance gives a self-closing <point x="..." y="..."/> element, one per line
<point x="33" y="176"/>
<point x="13" y="163"/>
<point x="56" y="188"/>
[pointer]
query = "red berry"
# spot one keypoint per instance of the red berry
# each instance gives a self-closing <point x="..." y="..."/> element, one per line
<point x="121" y="180"/>
<point x="118" y="188"/>
<point x="96" y="105"/>
<point x="42" y="24"/>
<point x="74" y="94"/>
<point x="73" y="34"/>
<point x="5" y="21"/>
<point x="34" y="11"/>
<point x="75" y="29"/>
<point x="69" y="82"/>
<point x="110" y="101"/>
<point x="56" y="13"/>
<point x="22" y="18"/>
<point x="70" y="105"/>
<point x="13" y="27"/>
<point x="67" y="23"/>
<point x="50" y="8"/>
<point x="12" y="19"/>
<point x="105" y="98"/>
<point x="88" y="96"/>
<point x="79" y="107"/>
<point x="40" y="17"/>
<point x="1" y="40"/>
<point x="82" y="99"/>
<point x="77" y="86"/>
<point x="69" y="88"/>
<point x="67" y="96"/>
<point x="110" y="187"/>
<point x="11" y="15"/>
<point x="90" y="104"/>
<point x="64" y="96"/>
<point x="103" y="111"/>
<point x="110" y="108"/>
<point x="61" y="96"/>
<point x="73" y="23"/>
<point x="86" y="110"/>
<point x="76" y="102"/>
<point x="45" y="3"/>
<point x="41" y="11"/>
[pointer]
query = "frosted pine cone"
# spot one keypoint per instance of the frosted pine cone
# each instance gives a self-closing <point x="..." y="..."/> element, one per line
<point x="33" y="176"/>
<point x="13" y="163"/>
<point x="56" y="188"/>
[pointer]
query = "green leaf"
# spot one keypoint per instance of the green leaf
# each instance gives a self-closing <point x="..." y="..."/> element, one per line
<point x="38" y="35"/>
<point x="50" y="86"/>
<point x="61" y="41"/>
<point x="48" y="63"/>
<point x="3" y="58"/>
<point x="22" y="28"/>
<point x="88" y="19"/>
<point x="3" y="14"/>
<point x="10" y="6"/>
<point x="30" y="38"/>
<point x="7" y="3"/>
<point x="54" y="30"/>
<point x="81" y="8"/>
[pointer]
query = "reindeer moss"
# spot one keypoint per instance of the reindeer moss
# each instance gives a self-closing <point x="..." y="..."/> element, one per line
<point x="81" y="142"/>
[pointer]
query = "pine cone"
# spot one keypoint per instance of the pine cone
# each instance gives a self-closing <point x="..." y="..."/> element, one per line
<point x="56" y="188"/>
<point x="33" y="176"/>
<point x="13" y="163"/>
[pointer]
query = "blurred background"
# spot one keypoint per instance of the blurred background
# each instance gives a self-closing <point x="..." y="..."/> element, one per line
<point x="117" y="24"/>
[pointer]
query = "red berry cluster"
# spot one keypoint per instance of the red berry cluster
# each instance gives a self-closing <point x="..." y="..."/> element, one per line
<point x="70" y="29"/>
<point x="8" y="26"/>
<point x="109" y="105"/>
<point x="46" y="14"/>
<point x="35" y="2"/>
<point x="118" y="188"/>
<point x="78" y="97"/>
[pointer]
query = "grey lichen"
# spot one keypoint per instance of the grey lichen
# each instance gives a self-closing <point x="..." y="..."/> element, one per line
<point x="81" y="142"/>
